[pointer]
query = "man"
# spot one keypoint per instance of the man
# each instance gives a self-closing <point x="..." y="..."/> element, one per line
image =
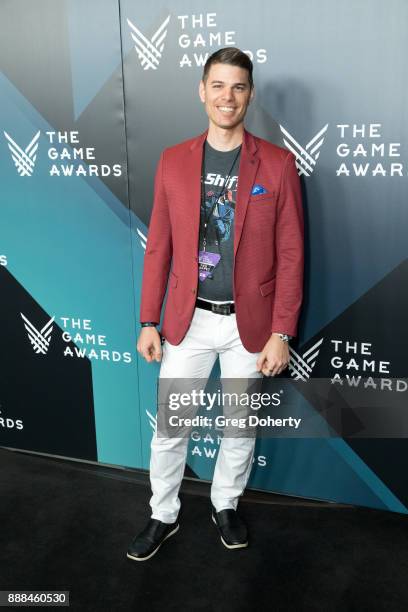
<point x="226" y="236"/>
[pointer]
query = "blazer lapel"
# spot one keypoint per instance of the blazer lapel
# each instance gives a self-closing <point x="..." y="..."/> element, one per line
<point x="193" y="184"/>
<point x="247" y="171"/>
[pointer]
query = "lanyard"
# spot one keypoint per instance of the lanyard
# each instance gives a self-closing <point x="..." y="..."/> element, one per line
<point x="220" y="194"/>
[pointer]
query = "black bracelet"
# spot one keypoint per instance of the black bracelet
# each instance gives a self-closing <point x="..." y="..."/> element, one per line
<point x="148" y="324"/>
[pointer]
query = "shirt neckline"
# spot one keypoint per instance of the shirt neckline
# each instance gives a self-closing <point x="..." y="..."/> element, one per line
<point x="219" y="152"/>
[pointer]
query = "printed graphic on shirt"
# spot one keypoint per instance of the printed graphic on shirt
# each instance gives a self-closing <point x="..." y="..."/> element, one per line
<point x="219" y="197"/>
<point x="220" y="222"/>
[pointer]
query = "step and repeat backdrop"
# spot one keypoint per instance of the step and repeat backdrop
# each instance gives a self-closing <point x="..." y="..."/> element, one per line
<point x="91" y="92"/>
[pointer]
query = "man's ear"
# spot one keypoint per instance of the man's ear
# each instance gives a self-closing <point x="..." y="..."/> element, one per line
<point x="252" y="95"/>
<point x="201" y="91"/>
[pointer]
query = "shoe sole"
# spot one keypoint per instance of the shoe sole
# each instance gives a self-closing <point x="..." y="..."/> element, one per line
<point x="156" y="549"/>
<point x="230" y="546"/>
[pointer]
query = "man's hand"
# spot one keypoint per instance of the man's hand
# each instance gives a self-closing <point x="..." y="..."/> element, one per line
<point x="149" y="344"/>
<point x="274" y="357"/>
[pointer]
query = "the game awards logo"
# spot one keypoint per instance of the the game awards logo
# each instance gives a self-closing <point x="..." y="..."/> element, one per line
<point x="39" y="338"/>
<point x="24" y="159"/>
<point x="149" y="50"/>
<point x="301" y="366"/>
<point x="307" y="156"/>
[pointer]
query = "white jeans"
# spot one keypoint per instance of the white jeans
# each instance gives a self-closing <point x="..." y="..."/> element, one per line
<point x="209" y="335"/>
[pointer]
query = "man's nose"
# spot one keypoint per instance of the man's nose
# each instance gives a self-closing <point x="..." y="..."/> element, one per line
<point x="228" y="94"/>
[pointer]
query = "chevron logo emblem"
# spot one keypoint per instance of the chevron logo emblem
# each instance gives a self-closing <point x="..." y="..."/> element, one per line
<point x="40" y="339"/>
<point x="301" y="366"/>
<point x="152" y="420"/>
<point x="142" y="238"/>
<point x="24" y="159"/>
<point x="149" y="51"/>
<point x="306" y="157"/>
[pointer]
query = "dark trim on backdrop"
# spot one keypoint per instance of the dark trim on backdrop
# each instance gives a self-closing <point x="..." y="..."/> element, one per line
<point x="193" y="486"/>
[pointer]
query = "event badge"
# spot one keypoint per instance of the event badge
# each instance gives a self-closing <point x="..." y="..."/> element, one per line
<point x="207" y="262"/>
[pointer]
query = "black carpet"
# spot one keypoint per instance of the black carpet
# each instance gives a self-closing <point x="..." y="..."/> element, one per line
<point x="66" y="525"/>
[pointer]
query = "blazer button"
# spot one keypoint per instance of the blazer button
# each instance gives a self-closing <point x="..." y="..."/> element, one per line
<point x="193" y="291"/>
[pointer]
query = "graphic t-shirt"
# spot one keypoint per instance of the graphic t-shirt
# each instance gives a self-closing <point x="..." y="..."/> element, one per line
<point x="217" y="285"/>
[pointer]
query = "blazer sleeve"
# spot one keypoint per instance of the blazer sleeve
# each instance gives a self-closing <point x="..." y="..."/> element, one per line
<point x="289" y="240"/>
<point x="158" y="253"/>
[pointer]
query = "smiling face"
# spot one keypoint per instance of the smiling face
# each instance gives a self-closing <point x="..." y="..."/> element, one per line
<point x="226" y="95"/>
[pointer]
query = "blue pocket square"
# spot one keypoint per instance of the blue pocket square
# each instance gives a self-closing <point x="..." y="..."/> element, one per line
<point x="258" y="189"/>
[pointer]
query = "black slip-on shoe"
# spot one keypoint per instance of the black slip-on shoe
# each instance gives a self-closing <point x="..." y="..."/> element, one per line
<point x="148" y="542"/>
<point x="231" y="527"/>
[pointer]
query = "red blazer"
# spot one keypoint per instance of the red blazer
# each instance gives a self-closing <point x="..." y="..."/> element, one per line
<point x="268" y="242"/>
